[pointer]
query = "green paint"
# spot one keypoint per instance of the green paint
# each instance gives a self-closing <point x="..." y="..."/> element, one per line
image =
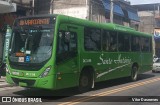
<point x="6" y="44"/>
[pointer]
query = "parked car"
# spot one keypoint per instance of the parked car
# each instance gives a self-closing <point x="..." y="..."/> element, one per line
<point x="155" y="58"/>
<point x="156" y="66"/>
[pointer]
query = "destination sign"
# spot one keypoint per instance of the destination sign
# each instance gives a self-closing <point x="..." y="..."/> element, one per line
<point x="37" y="21"/>
<point x="19" y="54"/>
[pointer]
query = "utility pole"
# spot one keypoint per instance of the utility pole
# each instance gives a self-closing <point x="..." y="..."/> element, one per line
<point x="111" y="11"/>
<point x="33" y="7"/>
<point x="51" y="6"/>
<point x="90" y="9"/>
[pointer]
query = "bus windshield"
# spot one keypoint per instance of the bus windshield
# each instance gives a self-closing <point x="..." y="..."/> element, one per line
<point x="31" y="44"/>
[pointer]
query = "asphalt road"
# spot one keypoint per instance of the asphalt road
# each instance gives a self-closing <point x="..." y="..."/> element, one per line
<point x="112" y="92"/>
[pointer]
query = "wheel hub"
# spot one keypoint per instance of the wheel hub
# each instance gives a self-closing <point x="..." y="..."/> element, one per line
<point x="84" y="81"/>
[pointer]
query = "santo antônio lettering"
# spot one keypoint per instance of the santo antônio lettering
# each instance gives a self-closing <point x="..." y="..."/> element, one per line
<point x="34" y="21"/>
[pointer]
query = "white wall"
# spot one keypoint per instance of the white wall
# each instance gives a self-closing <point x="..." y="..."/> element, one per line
<point x="79" y="12"/>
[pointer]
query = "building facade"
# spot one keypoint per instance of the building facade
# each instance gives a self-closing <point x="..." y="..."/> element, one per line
<point x="150" y="23"/>
<point x="9" y="11"/>
<point x="94" y="10"/>
<point x="7" y="6"/>
<point x="149" y="15"/>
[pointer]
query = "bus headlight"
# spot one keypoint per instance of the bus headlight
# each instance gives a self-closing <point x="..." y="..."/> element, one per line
<point x="7" y="69"/>
<point x="45" y="73"/>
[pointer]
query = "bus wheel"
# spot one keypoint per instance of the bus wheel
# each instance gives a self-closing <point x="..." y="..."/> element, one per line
<point x="134" y="73"/>
<point x="85" y="81"/>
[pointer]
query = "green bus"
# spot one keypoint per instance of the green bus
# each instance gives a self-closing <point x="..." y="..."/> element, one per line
<point x="57" y="52"/>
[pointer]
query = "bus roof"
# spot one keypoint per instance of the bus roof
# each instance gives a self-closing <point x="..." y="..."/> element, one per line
<point x="107" y="26"/>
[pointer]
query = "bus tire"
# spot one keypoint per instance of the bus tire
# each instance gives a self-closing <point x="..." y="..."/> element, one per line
<point x="134" y="73"/>
<point x="85" y="82"/>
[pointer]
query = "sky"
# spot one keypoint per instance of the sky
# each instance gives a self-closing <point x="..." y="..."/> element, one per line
<point x="135" y="2"/>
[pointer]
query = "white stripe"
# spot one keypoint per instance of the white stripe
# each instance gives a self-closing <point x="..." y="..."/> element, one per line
<point x="99" y="75"/>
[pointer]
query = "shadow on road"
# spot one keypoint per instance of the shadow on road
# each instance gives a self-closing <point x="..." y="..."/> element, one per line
<point x="64" y="93"/>
<point x="120" y="81"/>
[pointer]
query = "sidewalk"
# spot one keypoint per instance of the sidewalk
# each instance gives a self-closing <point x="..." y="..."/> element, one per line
<point x="3" y="82"/>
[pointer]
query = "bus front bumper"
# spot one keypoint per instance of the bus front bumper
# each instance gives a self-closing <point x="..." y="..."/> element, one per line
<point x="45" y="83"/>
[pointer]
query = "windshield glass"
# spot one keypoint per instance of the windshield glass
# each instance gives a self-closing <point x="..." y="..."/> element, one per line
<point x="31" y="44"/>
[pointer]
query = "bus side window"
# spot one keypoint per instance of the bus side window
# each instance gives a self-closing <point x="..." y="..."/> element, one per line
<point x="150" y="44"/>
<point x="123" y="42"/>
<point x="92" y="39"/>
<point x="113" y="42"/>
<point x="145" y="43"/>
<point x="67" y="45"/>
<point x="105" y="40"/>
<point x="135" y="43"/>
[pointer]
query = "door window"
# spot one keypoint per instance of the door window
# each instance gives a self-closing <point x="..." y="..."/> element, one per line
<point x="67" y="45"/>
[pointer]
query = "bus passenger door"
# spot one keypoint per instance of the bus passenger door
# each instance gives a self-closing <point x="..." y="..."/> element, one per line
<point x="67" y="57"/>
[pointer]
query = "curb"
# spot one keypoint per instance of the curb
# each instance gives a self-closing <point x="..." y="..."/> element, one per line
<point x="3" y="83"/>
<point x="6" y="85"/>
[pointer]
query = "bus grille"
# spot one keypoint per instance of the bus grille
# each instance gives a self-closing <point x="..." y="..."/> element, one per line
<point x="28" y="82"/>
